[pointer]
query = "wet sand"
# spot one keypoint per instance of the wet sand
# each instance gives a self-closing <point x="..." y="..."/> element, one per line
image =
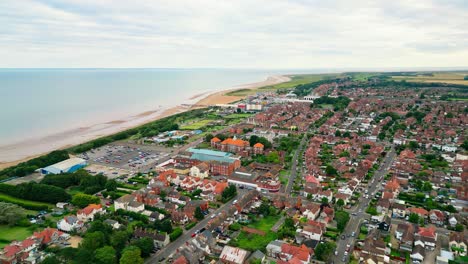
<point x="19" y="152"/>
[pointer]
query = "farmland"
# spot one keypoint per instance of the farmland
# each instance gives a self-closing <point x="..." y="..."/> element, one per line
<point x="442" y="77"/>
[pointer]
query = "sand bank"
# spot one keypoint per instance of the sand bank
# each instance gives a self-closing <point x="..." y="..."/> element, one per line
<point x="22" y="151"/>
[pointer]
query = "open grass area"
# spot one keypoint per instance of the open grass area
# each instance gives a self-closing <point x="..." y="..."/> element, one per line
<point x="295" y="81"/>
<point x="8" y="234"/>
<point x="196" y="125"/>
<point x="266" y="223"/>
<point x="27" y="204"/>
<point x="237" y="116"/>
<point x="252" y="242"/>
<point x="441" y="77"/>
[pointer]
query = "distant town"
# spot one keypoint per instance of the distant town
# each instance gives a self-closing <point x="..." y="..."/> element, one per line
<point x="346" y="168"/>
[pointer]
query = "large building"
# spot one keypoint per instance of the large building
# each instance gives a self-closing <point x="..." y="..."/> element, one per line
<point x="66" y="166"/>
<point x="220" y="163"/>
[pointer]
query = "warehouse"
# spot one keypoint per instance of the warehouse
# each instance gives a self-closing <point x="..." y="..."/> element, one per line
<point x="66" y="166"/>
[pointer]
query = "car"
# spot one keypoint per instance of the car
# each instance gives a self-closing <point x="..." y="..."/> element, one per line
<point x="343" y="259"/>
<point x="212" y="216"/>
<point x="336" y="252"/>
<point x="343" y="237"/>
<point x="346" y="253"/>
<point x="353" y="234"/>
<point x="354" y="214"/>
<point x="193" y="235"/>
<point x="235" y="201"/>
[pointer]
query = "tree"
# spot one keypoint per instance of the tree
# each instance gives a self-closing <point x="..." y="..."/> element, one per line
<point x="93" y="240"/>
<point x="323" y="251"/>
<point x="324" y="200"/>
<point x="208" y="137"/>
<point x="176" y="234"/>
<point x="163" y="226"/>
<point x="331" y="171"/>
<point x="146" y="245"/>
<point x="111" y="185"/>
<point x="119" y="239"/>
<point x="337" y="133"/>
<point x="341" y="218"/>
<point x="51" y="260"/>
<point x="82" y="200"/>
<point x="10" y="213"/>
<point x="131" y="255"/>
<point x="105" y="255"/>
<point x="413" y="218"/>
<point x="464" y="145"/>
<point x="340" y="203"/>
<point x="264" y="209"/>
<point x="199" y="214"/>
<point x="229" y="192"/>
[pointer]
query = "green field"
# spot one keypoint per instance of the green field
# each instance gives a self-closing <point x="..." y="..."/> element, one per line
<point x="295" y="81"/>
<point x="237" y="116"/>
<point x="196" y="125"/>
<point x="9" y="233"/>
<point x="266" y="223"/>
<point x="253" y="242"/>
<point x="23" y="203"/>
<point x="439" y="77"/>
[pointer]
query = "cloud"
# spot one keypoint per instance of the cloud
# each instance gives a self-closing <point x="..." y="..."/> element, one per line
<point x="210" y="33"/>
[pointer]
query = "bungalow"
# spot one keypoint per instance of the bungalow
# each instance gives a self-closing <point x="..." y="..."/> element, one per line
<point x="88" y="213"/>
<point x="383" y="206"/>
<point x="405" y="234"/>
<point x="453" y="221"/>
<point x="295" y="254"/>
<point x="437" y="217"/>
<point x="421" y="212"/>
<point x="428" y="237"/>
<point x="311" y="232"/>
<point x="274" y="248"/>
<point x="69" y="223"/>
<point x="418" y="254"/>
<point x="458" y="243"/>
<point x="399" y="210"/>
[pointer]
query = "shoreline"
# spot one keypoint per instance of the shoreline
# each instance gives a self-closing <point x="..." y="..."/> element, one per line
<point x="22" y="151"/>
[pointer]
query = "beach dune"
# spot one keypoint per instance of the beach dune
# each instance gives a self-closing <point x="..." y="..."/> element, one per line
<point x="13" y="154"/>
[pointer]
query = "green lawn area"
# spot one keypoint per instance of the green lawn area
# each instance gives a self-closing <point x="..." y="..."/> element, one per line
<point x="237" y="116"/>
<point x="252" y="242"/>
<point x="284" y="177"/>
<point x="197" y="125"/>
<point x="8" y="234"/>
<point x="22" y="202"/>
<point x="266" y="223"/>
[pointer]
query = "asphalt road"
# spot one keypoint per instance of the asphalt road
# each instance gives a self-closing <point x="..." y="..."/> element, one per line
<point x="187" y="235"/>
<point x="293" y="174"/>
<point x="356" y="220"/>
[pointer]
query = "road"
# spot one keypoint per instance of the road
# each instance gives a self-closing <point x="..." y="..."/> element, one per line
<point x="293" y="174"/>
<point x="187" y="235"/>
<point x="359" y="210"/>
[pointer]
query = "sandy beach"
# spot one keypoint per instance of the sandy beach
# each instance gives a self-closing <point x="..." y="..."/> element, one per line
<point x="22" y="151"/>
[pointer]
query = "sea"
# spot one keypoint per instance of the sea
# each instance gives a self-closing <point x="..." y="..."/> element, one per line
<point x="38" y="102"/>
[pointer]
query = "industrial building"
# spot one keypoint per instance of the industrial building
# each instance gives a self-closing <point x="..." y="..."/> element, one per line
<point x="66" y="166"/>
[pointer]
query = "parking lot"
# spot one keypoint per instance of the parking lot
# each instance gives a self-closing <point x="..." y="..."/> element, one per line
<point x="131" y="158"/>
<point x="108" y="171"/>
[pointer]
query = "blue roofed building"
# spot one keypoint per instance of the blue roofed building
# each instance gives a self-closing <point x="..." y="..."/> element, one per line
<point x="211" y="155"/>
<point x="66" y="166"/>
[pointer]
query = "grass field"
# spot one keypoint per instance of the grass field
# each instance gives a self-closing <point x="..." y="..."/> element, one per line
<point x="237" y="116"/>
<point x="8" y="234"/>
<point x="196" y="125"/>
<point x="442" y="77"/>
<point x="295" y="81"/>
<point x="266" y="223"/>
<point x="22" y="202"/>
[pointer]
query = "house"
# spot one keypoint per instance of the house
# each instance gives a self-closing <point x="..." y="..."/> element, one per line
<point x="20" y="252"/>
<point x="160" y="240"/>
<point x="69" y="223"/>
<point x="421" y="212"/>
<point x="200" y="170"/>
<point x="383" y="205"/>
<point x="458" y="243"/>
<point x="427" y="236"/>
<point x="233" y="255"/>
<point x="437" y="217"/>
<point x="418" y="254"/>
<point x="88" y="213"/>
<point x="274" y="248"/>
<point x="136" y="207"/>
<point x="256" y="256"/>
<point x="453" y="221"/>
<point x="405" y="234"/>
<point x="258" y="148"/>
<point x="114" y="224"/>
<point x="295" y="254"/>
<point x="122" y="202"/>
<point x="385" y="224"/>
<point x="49" y="236"/>
<point x="311" y="232"/>
<point x="445" y="257"/>
<point x="398" y="210"/>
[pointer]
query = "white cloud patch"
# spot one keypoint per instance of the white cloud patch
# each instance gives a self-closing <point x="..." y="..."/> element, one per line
<point x="213" y="33"/>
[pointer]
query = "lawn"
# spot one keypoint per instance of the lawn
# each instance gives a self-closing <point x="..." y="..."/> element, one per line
<point x="266" y="223"/>
<point x="237" y="116"/>
<point x="284" y="177"/>
<point x="8" y="234"/>
<point x="196" y="125"/>
<point x="442" y="77"/>
<point x="252" y="242"/>
<point x="27" y="204"/>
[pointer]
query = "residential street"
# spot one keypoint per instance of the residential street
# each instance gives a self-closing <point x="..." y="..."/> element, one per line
<point x="187" y="235"/>
<point x="359" y="210"/>
<point x="294" y="162"/>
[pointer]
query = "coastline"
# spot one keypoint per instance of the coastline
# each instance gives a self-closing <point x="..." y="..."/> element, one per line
<point x="15" y="153"/>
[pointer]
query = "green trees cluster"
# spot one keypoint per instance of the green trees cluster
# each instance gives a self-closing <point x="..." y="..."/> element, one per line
<point x="36" y="192"/>
<point x="256" y="139"/>
<point x="87" y="183"/>
<point x="10" y="214"/>
<point x="288" y="229"/>
<point x="324" y="251"/>
<point x="229" y="193"/>
<point x="341" y="218"/>
<point x="339" y="103"/>
<point x="30" y="166"/>
<point x="82" y="200"/>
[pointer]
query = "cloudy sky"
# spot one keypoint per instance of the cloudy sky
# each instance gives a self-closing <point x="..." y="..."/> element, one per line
<point x="234" y="33"/>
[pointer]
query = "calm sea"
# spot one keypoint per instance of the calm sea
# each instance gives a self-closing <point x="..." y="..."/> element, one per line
<point x="36" y="102"/>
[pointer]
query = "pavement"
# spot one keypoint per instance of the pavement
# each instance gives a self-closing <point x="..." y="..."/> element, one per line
<point x="165" y="252"/>
<point x="295" y="161"/>
<point x="359" y="211"/>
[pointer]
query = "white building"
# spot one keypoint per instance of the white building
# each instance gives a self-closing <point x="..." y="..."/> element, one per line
<point x="69" y="223"/>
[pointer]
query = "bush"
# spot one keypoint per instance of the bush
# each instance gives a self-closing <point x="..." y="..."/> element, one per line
<point x="36" y="192"/>
<point x="175" y="234"/>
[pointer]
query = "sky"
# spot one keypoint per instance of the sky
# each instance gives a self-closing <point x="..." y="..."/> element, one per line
<point x="233" y="33"/>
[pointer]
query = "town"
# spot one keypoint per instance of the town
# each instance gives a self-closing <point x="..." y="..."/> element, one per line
<point x="341" y="170"/>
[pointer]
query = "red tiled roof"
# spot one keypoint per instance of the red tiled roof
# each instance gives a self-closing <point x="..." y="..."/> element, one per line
<point x="427" y="231"/>
<point x="215" y="139"/>
<point x="301" y="253"/>
<point x="235" y="142"/>
<point x="89" y="209"/>
<point x="259" y="145"/>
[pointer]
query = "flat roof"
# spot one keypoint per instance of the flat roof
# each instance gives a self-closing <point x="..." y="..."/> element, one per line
<point x="209" y="152"/>
<point x="65" y="165"/>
